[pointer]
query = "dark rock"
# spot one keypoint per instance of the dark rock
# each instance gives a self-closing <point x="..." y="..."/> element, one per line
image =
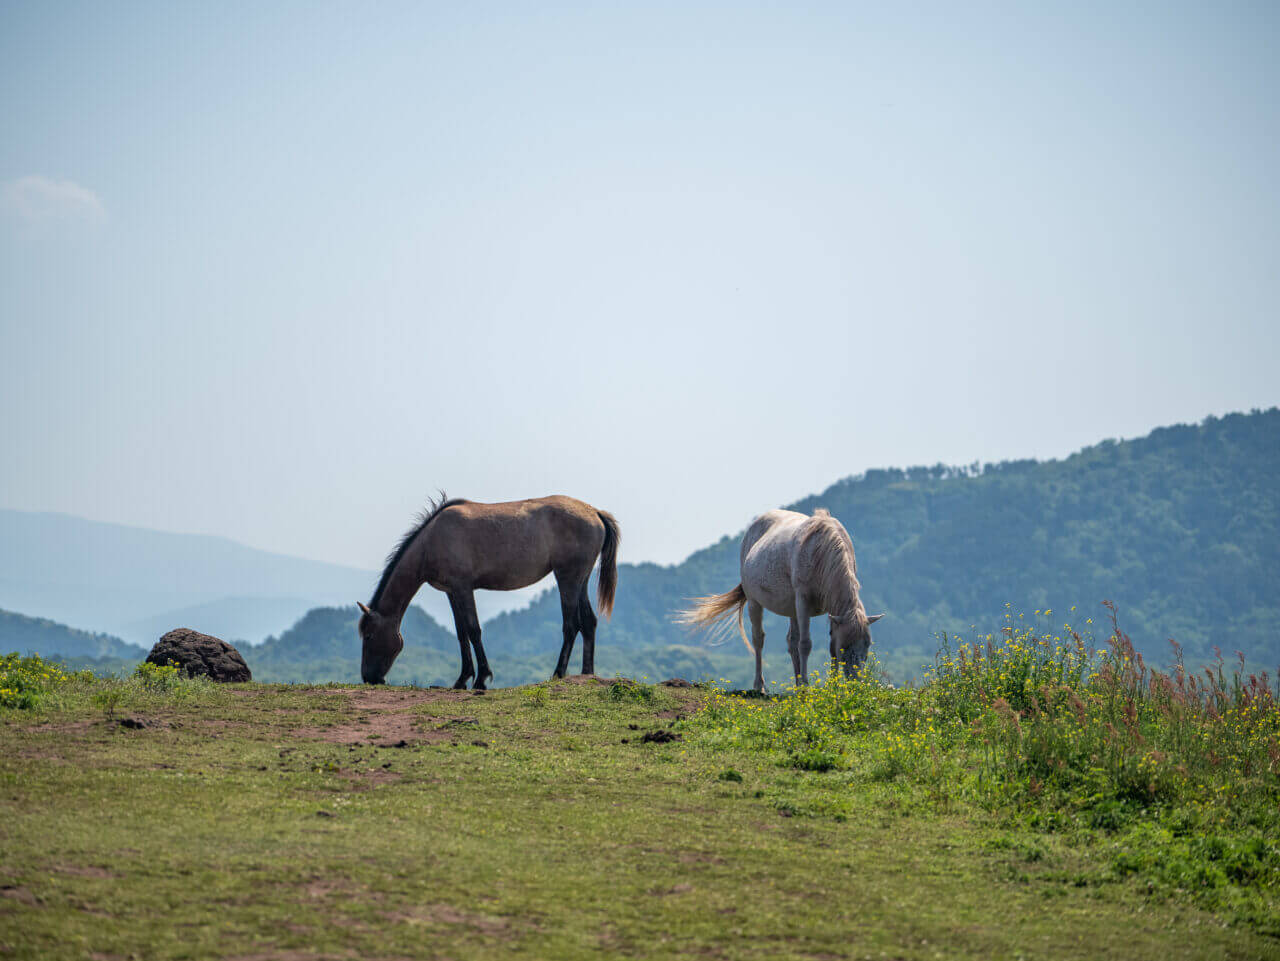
<point x="676" y="682"/>
<point x="200" y="655"/>
<point x="134" y="723"/>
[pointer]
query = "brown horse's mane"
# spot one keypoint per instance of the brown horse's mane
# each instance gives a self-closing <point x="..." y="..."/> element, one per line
<point x="429" y="513"/>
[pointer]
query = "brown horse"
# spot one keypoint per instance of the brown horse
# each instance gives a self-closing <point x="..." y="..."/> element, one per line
<point x="459" y="546"/>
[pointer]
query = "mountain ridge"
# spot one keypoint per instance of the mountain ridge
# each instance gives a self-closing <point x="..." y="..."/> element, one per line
<point x="1180" y="527"/>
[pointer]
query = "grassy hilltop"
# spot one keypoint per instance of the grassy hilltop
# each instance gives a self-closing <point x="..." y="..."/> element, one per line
<point x="1031" y="800"/>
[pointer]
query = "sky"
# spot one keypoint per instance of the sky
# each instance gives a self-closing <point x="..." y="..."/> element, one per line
<point x="280" y="271"/>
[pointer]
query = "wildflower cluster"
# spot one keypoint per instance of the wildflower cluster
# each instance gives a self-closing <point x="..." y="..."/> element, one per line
<point x="1112" y="730"/>
<point x="158" y="677"/>
<point x="815" y="726"/>
<point x="1015" y="666"/>
<point x="25" y="680"/>
<point x="1035" y="724"/>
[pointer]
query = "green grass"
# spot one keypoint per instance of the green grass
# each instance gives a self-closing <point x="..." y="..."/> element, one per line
<point x="1170" y="780"/>
<point x="535" y="823"/>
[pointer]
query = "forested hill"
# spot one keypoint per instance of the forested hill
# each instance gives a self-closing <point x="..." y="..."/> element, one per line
<point x="1179" y="528"/>
<point x="37" y="635"/>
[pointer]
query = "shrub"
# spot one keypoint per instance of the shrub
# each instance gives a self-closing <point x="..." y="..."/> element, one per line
<point x="158" y="677"/>
<point x="25" y="681"/>
<point x="626" y="690"/>
<point x="536" y="696"/>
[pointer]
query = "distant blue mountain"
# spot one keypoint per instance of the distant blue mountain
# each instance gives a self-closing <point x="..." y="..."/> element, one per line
<point x="138" y="583"/>
<point x="37" y="635"/>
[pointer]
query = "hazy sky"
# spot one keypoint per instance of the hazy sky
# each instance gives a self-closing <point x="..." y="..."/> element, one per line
<point x="277" y="271"/>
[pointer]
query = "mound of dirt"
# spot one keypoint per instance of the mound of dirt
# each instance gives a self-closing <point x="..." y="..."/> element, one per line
<point x="676" y="682"/>
<point x="201" y="654"/>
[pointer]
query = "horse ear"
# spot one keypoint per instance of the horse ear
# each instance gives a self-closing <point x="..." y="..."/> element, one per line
<point x="837" y="619"/>
<point x="363" y="608"/>
<point x="873" y="618"/>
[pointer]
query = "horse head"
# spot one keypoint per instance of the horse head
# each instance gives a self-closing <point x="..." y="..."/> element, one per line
<point x="851" y="639"/>
<point x="381" y="642"/>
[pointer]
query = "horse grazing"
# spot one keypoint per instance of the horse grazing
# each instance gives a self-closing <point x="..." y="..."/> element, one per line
<point x="459" y="546"/>
<point x="797" y="566"/>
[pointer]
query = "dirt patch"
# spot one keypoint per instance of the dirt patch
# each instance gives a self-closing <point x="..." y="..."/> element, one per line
<point x="84" y="871"/>
<point x="68" y="727"/>
<point x="379" y="697"/>
<point x="577" y="679"/>
<point x="385" y="717"/>
<point x="21" y="895"/>
<point x="290" y="956"/>
<point x="447" y="914"/>
<point x="677" y="889"/>
<point x="378" y="730"/>
<point x="699" y="857"/>
<point x="363" y="780"/>
<point x="317" y="889"/>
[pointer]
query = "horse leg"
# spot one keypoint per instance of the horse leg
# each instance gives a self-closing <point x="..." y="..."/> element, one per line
<point x="587" y="623"/>
<point x="803" y="641"/>
<point x="793" y="648"/>
<point x="756" y="614"/>
<point x="460" y="625"/>
<point x="569" y="591"/>
<point x="467" y="604"/>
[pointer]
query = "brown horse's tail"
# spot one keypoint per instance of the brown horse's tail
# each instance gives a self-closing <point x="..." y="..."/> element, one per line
<point x="707" y="611"/>
<point x="608" y="582"/>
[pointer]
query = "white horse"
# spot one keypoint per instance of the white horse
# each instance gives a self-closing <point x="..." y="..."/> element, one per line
<point x="797" y="566"/>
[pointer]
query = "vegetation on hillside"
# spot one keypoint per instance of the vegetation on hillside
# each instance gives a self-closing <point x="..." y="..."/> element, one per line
<point x="1180" y="528"/>
<point x="42" y="636"/>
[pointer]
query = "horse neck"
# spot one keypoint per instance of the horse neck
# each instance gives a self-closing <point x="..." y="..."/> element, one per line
<point x="841" y="596"/>
<point x="840" y="589"/>
<point x="402" y="585"/>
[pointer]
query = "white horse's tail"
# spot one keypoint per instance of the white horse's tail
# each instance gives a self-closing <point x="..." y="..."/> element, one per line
<point x="716" y="610"/>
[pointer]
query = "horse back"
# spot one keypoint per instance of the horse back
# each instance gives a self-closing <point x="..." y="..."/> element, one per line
<point x="512" y="544"/>
<point x="768" y="549"/>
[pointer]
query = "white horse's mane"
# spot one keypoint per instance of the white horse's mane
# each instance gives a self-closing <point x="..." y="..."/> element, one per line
<point x="836" y="567"/>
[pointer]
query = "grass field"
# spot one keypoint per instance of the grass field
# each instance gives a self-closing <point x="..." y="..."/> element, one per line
<point x="187" y="820"/>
